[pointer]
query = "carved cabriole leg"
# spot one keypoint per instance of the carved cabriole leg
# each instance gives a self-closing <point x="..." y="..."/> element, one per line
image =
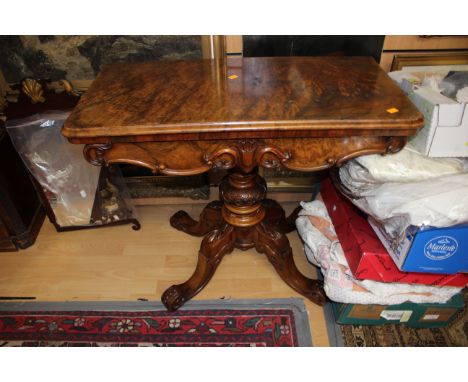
<point x="275" y="216"/>
<point x="275" y="245"/>
<point x="213" y="248"/>
<point x="210" y="218"/>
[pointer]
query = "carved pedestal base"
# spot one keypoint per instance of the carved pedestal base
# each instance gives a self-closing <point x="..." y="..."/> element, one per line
<point x="243" y="219"/>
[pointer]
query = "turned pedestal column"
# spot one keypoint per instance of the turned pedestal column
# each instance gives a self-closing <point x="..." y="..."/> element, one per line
<point x="242" y="219"/>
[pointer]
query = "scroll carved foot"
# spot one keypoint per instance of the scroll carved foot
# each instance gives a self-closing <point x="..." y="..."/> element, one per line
<point x="210" y="218"/>
<point x="214" y="246"/>
<point x="135" y="224"/>
<point x="275" y="216"/>
<point x="275" y="245"/>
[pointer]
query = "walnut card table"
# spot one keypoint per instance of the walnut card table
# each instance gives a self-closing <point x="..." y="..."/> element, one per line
<point x="187" y="117"/>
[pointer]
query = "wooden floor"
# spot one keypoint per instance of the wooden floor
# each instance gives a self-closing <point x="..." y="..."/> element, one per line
<point x="117" y="263"/>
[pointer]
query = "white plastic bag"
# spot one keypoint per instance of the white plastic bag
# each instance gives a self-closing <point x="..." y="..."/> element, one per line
<point x="67" y="179"/>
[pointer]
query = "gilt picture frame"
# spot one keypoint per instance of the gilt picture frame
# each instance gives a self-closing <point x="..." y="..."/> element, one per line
<point x="403" y="60"/>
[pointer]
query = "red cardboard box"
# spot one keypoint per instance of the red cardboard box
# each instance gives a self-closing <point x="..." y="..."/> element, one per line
<point x="367" y="257"/>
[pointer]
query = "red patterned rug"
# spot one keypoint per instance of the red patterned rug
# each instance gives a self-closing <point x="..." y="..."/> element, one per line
<point x="272" y="326"/>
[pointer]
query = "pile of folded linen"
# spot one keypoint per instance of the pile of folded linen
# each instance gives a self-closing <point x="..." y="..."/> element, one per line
<point x="393" y="231"/>
<point x="408" y="189"/>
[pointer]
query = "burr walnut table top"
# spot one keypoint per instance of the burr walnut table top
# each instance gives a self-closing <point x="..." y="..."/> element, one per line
<point x="232" y="98"/>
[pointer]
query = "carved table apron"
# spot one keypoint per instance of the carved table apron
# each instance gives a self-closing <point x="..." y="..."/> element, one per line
<point x="244" y="218"/>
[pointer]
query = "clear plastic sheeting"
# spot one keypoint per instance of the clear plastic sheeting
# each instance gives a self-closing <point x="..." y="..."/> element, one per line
<point x="323" y="249"/>
<point x="408" y="189"/>
<point x="69" y="182"/>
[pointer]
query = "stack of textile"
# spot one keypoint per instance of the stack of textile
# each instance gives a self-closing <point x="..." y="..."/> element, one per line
<point x="392" y="238"/>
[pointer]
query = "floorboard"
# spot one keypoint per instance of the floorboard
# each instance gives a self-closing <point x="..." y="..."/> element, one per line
<point x="117" y="263"/>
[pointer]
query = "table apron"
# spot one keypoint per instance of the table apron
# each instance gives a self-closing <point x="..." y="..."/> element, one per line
<point x="196" y="157"/>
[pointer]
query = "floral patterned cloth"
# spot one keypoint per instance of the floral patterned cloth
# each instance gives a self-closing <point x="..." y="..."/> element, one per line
<point x="236" y="327"/>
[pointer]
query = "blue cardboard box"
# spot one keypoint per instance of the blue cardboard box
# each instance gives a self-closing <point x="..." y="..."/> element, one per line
<point x="429" y="249"/>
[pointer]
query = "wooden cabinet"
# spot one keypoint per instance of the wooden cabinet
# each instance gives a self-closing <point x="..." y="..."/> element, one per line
<point x="21" y="212"/>
<point x="6" y="243"/>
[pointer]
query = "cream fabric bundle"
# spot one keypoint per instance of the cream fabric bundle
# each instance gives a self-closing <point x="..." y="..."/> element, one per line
<point x="323" y="249"/>
<point x="408" y="189"/>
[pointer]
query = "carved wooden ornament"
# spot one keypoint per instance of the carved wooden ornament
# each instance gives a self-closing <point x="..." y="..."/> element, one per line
<point x="191" y="158"/>
<point x="33" y="90"/>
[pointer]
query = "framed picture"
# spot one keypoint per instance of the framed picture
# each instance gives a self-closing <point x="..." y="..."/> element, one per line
<point x="403" y="60"/>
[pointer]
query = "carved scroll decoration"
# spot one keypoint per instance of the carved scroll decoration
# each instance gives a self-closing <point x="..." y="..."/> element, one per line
<point x="245" y="154"/>
<point x="95" y="153"/>
<point x="68" y="87"/>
